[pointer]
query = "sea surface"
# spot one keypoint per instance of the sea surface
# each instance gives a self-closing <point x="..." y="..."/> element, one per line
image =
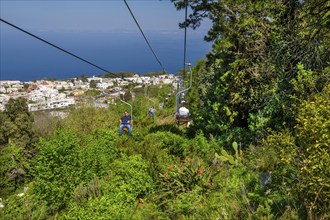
<point x="26" y="58"/>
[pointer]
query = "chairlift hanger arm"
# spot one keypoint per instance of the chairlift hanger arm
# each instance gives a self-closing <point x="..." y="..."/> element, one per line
<point x="190" y="85"/>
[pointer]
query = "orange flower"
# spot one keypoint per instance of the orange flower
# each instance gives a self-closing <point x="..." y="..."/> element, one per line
<point x="171" y="167"/>
<point x="200" y="171"/>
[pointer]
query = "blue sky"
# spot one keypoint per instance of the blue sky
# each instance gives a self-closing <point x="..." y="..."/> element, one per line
<point x="64" y="15"/>
<point x="65" y="23"/>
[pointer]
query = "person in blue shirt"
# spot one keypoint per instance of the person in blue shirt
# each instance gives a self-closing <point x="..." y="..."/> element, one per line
<point x="151" y="112"/>
<point x="125" y="122"/>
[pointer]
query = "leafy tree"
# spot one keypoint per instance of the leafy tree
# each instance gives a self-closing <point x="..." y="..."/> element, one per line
<point x="83" y="78"/>
<point x="13" y="170"/>
<point x="92" y="84"/>
<point x="26" y="86"/>
<point x="92" y="93"/>
<point x="158" y="73"/>
<point x="16" y="126"/>
<point x="127" y="96"/>
<point x="17" y="140"/>
<point x="3" y="137"/>
<point x="256" y="51"/>
<point x="237" y="64"/>
<point x="116" y="75"/>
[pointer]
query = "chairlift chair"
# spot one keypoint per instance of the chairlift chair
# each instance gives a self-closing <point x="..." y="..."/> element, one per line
<point x="125" y="128"/>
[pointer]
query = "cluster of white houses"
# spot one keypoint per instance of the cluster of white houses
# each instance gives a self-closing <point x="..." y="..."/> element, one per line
<point x="44" y="95"/>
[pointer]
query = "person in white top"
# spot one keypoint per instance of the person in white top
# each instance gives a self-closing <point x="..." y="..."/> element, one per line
<point x="183" y="111"/>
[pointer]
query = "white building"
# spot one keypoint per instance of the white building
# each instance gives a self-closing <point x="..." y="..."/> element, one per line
<point x="96" y="79"/>
<point x="36" y="96"/>
<point x="3" y="89"/>
<point x="3" y="101"/>
<point x="103" y="85"/>
<point x="167" y="81"/>
<point x="52" y="104"/>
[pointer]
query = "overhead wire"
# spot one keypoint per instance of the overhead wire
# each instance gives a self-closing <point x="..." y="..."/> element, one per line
<point x="57" y="47"/>
<point x="185" y="38"/>
<point x="145" y="38"/>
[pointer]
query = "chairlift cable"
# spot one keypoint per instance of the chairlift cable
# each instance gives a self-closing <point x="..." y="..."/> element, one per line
<point x="57" y="47"/>
<point x="145" y="38"/>
<point x="185" y="38"/>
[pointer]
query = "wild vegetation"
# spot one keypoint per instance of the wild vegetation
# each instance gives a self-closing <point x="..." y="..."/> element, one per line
<point x="257" y="148"/>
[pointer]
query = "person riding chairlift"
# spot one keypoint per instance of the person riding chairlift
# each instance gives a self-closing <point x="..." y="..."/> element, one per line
<point x="125" y="122"/>
<point x="151" y="112"/>
<point x="183" y="111"/>
<point x="183" y="115"/>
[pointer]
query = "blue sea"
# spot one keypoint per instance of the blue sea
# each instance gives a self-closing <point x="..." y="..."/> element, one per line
<point x="25" y="58"/>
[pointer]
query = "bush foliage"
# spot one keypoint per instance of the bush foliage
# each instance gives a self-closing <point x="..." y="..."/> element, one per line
<point x="257" y="147"/>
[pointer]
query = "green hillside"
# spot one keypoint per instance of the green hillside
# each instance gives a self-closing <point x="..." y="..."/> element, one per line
<point x="257" y="148"/>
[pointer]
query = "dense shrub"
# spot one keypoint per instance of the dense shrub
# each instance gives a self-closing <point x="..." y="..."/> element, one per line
<point x="65" y="162"/>
<point x="85" y="120"/>
<point x="127" y="184"/>
<point x="22" y="205"/>
<point x="272" y="160"/>
<point x="13" y="170"/>
<point x="56" y="171"/>
<point x="313" y="160"/>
